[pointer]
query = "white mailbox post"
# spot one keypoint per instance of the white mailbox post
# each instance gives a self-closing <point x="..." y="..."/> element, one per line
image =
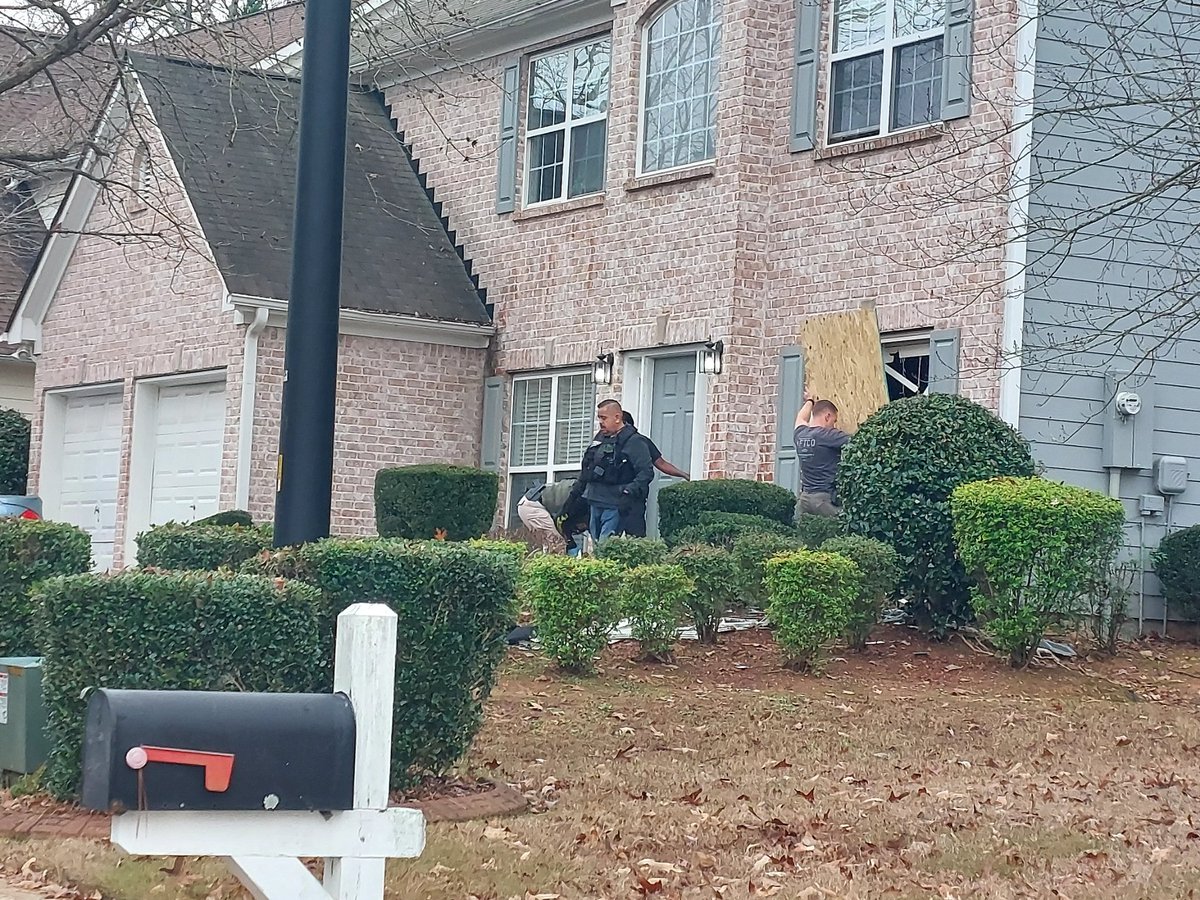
<point x="264" y="848"/>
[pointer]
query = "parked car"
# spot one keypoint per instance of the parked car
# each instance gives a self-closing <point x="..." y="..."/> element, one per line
<point x="21" y="507"/>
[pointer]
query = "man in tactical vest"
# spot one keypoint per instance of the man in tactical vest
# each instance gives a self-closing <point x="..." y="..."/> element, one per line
<point x="616" y="472"/>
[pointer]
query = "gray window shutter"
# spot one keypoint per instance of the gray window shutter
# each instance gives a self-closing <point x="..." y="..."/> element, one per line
<point x="493" y="424"/>
<point x="943" y="362"/>
<point x="506" y="171"/>
<point x="804" y="75"/>
<point x="956" y="64"/>
<point x="791" y="390"/>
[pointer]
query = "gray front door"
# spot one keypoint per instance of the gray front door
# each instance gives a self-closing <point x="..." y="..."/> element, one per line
<point x="672" y="413"/>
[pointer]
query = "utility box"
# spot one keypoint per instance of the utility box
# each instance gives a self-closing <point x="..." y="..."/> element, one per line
<point x="1171" y="475"/>
<point x="23" y="744"/>
<point x="1128" y="421"/>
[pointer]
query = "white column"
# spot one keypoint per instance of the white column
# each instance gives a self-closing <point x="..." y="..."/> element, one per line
<point x="365" y="671"/>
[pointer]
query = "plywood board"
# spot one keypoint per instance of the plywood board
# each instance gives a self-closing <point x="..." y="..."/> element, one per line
<point x="843" y="363"/>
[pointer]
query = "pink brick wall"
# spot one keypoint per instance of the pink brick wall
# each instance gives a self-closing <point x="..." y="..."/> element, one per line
<point x="747" y="252"/>
<point x="133" y="305"/>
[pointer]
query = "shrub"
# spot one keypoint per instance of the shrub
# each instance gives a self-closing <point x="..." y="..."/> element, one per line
<point x="14" y="453"/>
<point x="455" y="606"/>
<point x="576" y="603"/>
<point x="879" y="566"/>
<point x="814" y="530"/>
<point x="172" y="631"/>
<point x="746" y="522"/>
<point x="724" y="532"/>
<point x="1107" y="597"/>
<point x="715" y="586"/>
<point x="1034" y="547"/>
<point x="30" y="551"/>
<point x="1177" y="564"/>
<point x="427" y="500"/>
<point x="653" y="598"/>
<point x="228" y="517"/>
<point x="514" y="551"/>
<point x="750" y="554"/>
<point x="812" y="593"/>
<point x="201" y="548"/>
<point x="632" y="552"/>
<point x="895" y="481"/>
<point x="680" y="505"/>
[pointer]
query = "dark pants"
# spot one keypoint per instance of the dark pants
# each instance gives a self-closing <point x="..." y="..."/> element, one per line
<point x="633" y="519"/>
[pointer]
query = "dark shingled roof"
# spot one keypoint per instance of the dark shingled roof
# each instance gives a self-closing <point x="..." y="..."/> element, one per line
<point x="233" y="136"/>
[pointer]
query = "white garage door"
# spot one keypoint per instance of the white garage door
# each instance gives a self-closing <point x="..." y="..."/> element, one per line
<point x="91" y="466"/>
<point x="189" y="430"/>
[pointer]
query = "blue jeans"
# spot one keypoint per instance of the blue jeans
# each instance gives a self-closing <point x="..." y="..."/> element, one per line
<point x="606" y="520"/>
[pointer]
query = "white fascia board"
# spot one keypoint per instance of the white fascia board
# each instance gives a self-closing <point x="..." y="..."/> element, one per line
<point x="377" y="325"/>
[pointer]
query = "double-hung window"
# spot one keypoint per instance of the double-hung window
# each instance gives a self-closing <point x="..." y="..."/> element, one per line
<point x="886" y="66"/>
<point x="566" y="127"/>
<point x="552" y="424"/>
<point x="682" y="61"/>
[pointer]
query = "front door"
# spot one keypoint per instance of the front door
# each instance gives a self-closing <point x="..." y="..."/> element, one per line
<point x="672" y="417"/>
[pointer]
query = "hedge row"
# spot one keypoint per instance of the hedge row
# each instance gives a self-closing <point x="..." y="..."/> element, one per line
<point x="168" y="631"/>
<point x="14" y="452"/>
<point x="684" y="504"/>
<point x="431" y="501"/>
<point x="201" y="547"/>
<point x="31" y="551"/>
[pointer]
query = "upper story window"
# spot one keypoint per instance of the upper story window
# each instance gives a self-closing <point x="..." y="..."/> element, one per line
<point x="886" y="66"/>
<point x="567" y="123"/>
<point x="682" y="56"/>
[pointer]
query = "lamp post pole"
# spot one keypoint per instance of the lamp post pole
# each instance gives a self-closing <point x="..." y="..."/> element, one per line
<point x="304" y="476"/>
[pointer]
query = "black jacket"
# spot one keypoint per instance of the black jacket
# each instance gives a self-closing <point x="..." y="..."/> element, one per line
<point x="617" y="469"/>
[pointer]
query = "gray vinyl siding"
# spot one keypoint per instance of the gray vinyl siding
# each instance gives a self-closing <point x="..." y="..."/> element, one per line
<point x="1113" y="268"/>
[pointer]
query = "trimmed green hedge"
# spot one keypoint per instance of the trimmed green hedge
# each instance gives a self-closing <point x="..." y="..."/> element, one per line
<point x="228" y="517"/>
<point x="750" y="555"/>
<point x="169" y="631"/>
<point x="30" y="551"/>
<point x="653" y="598"/>
<point x="14" y="453"/>
<point x="423" y="501"/>
<point x="895" y="481"/>
<point x="814" y="530"/>
<point x="680" y="505"/>
<point x="632" y="552"/>
<point x="1177" y="564"/>
<point x="716" y="585"/>
<point x="576" y="602"/>
<point x="1034" y="548"/>
<point x="880" y="570"/>
<point x="455" y="606"/>
<point x="812" y="594"/>
<point x="200" y="547"/>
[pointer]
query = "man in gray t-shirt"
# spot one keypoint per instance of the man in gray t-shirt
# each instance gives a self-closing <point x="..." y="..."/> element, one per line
<point x="819" y="445"/>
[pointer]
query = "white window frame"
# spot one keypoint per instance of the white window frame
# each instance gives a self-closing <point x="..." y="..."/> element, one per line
<point x="568" y="126"/>
<point x="643" y="86"/>
<point x="889" y="45"/>
<point x="550" y="469"/>
<point x="907" y="344"/>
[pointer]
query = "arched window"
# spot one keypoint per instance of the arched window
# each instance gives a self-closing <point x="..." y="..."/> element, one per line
<point x="681" y="65"/>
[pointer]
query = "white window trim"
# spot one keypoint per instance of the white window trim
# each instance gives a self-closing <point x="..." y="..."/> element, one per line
<point x="908" y="344"/>
<point x="550" y="469"/>
<point x="643" y="83"/>
<point x="141" y="449"/>
<point x="889" y="45"/>
<point x="568" y="126"/>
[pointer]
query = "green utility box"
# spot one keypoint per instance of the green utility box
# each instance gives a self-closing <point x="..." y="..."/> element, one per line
<point x="23" y="744"/>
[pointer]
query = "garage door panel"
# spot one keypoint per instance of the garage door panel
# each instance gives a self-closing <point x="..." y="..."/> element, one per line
<point x="189" y="433"/>
<point x="90" y="469"/>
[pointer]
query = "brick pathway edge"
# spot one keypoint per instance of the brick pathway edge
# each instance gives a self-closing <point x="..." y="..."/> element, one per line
<point x="500" y="800"/>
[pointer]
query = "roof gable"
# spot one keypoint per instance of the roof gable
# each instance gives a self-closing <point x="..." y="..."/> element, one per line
<point x="234" y="135"/>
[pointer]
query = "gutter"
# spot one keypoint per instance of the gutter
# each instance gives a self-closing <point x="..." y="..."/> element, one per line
<point x="1017" y="242"/>
<point x="246" y="420"/>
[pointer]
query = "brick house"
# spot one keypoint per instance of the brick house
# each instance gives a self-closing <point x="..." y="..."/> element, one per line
<point x="157" y="312"/>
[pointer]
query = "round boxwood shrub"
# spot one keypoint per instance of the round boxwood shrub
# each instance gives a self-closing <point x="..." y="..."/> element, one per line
<point x="895" y="481"/>
<point x="428" y="501"/>
<point x="680" y="505"/>
<point x="880" y="573"/>
<point x="750" y="554"/>
<point x="1177" y="564"/>
<point x="14" y="453"/>
<point x="812" y="593"/>
<point x="632" y="552"/>
<point x="815" y="530"/>
<point x="715" y="585"/>
<point x="576" y="603"/>
<point x="652" y="598"/>
<point x="1034" y="548"/>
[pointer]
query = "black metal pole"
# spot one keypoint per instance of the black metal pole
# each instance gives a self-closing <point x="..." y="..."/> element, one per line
<point x="305" y="474"/>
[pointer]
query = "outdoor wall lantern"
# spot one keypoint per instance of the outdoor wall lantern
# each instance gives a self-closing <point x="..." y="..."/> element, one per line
<point x="712" y="358"/>
<point x="602" y="369"/>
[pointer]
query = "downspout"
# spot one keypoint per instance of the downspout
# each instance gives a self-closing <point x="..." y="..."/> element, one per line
<point x="1019" y="189"/>
<point x="246" y="419"/>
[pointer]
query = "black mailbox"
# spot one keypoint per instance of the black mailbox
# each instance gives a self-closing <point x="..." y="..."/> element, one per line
<point x="196" y="750"/>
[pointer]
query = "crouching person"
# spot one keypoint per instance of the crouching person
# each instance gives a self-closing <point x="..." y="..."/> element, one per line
<point x="555" y="512"/>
